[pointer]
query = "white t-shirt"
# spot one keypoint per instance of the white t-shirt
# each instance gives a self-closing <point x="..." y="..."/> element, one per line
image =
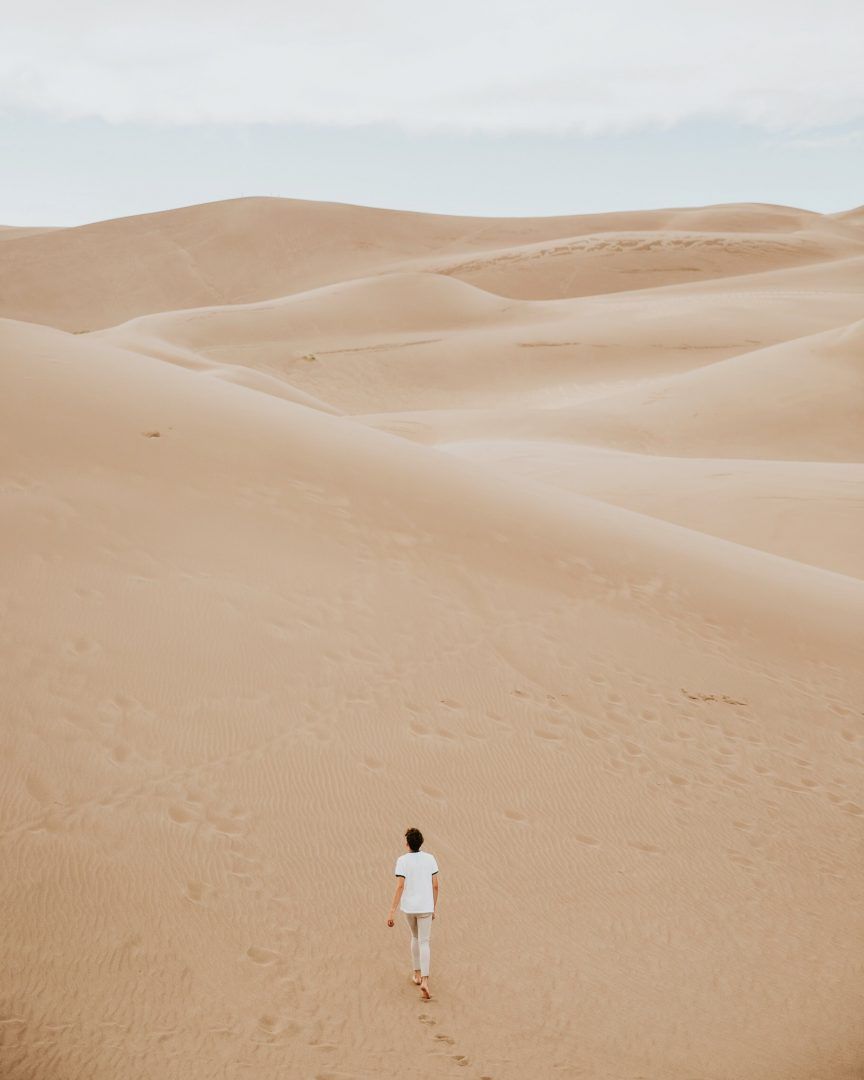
<point x="417" y="867"/>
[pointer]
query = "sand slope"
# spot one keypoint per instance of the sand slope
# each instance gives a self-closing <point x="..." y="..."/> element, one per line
<point x="609" y="262"/>
<point x="242" y="250"/>
<point x="800" y="400"/>
<point x="281" y="578"/>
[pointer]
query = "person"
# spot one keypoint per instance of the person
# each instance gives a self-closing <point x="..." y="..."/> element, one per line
<point x="417" y="896"/>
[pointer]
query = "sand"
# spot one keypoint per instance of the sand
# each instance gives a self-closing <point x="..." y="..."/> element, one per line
<point x="543" y="535"/>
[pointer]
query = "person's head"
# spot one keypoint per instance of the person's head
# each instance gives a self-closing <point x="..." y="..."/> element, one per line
<point x="414" y="839"/>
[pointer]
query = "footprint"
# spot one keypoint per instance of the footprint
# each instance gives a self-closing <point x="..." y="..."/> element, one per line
<point x="196" y="891"/>
<point x="586" y="839"/>
<point x="432" y="792"/>
<point x="445" y="1039"/>
<point x="514" y="815"/>
<point x="261" y="956"/>
<point x="450" y="703"/>
<point x="372" y="763"/>
<point x="644" y="847"/>
<point x="549" y="736"/>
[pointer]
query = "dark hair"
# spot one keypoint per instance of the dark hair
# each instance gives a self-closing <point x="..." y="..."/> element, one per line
<point x="414" y="838"/>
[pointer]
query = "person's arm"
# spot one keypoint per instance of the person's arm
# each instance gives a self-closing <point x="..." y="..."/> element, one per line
<point x="434" y="893"/>
<point x="400" y="885"/>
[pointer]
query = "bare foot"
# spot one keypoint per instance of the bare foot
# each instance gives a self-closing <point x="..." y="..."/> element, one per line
<point x="424" y="988"/>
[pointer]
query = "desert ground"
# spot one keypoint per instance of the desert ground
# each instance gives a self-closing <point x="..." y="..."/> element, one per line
<point x="543" y="535"/>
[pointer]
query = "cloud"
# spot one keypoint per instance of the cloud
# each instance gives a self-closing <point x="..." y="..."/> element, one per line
<point x="472" y="65"/>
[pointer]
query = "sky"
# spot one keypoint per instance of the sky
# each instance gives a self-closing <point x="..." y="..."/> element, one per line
<point x="472" y="107"/>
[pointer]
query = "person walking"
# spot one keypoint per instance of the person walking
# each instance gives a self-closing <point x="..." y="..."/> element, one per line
<point x="417" y="896"/>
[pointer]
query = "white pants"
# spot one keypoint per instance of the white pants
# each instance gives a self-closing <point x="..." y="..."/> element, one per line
<point x="420" y="925"/>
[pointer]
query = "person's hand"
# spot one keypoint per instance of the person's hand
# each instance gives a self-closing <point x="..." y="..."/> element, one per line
<point x="390" y="919"/>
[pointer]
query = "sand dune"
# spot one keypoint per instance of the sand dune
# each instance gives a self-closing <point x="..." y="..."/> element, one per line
<point x="285" y="575"/>
<point x="609" y="262"/>
<point x="232" y="252"/>
<point x="242" y="250"/>
<point x="850" y="217"/>
<point x="14" y="232"/>
<point x="445" y="336"/>
<point x="763" y="504"/>
<point x="800" y="400"/>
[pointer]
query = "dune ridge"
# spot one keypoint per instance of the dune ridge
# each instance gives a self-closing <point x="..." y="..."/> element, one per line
<point x="335" y="520"/>
<point x="242" y="250"/>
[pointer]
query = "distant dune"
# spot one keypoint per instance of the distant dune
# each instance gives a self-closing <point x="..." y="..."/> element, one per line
<point x="544" y="535"/>
<point x="245" y="250"/>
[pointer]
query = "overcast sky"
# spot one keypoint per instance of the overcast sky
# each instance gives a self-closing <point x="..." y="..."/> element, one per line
<point x="476" y="107"/>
